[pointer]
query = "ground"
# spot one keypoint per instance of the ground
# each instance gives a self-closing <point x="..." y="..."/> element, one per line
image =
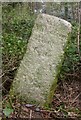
<point x="66" y="102"/>
<point x="67" y="98"/>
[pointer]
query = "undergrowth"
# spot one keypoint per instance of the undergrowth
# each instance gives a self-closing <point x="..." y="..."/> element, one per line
<point x="17" y="24"/>
<point x="71" y="56"/>
<point x="17" y="28"/>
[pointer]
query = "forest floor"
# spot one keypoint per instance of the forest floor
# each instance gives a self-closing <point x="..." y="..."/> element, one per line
<point x="65" y="104"/>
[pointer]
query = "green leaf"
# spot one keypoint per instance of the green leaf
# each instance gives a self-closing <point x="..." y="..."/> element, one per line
<point x="7" y="111"/>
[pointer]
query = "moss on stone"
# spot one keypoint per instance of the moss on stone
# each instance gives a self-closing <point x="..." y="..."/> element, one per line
<point x="38" y="73"/>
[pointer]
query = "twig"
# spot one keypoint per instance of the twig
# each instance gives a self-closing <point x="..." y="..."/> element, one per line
<point x="79" y="30"/>
<point x="75" y="98"/>
<point x="58" y="98"/>
<point x="75" y="75"/>
<point x="4" y="99"/>
<point x="2" y="75"/>
<point x="4" y="89"/>
<point x="8" y="71"/>
<point x="30" y="114"/>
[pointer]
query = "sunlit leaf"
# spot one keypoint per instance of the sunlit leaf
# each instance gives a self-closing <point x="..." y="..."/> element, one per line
<point x="7" y="111"/>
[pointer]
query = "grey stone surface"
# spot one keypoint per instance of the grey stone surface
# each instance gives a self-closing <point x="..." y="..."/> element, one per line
<point x="38" y="68"/>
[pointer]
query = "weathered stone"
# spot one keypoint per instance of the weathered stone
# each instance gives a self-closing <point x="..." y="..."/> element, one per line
<point x="37" y="73"/>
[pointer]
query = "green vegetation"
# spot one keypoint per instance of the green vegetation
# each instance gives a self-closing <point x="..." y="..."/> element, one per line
<point x="17" y="28"/>
<point x="70" y="62"/>
<point x="72" y="57"/>
<point x="70" y="71"/>
<point x="17" y="24"/>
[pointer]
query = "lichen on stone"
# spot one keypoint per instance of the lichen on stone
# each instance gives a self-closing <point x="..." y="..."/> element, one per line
<point x="37" y="75"/>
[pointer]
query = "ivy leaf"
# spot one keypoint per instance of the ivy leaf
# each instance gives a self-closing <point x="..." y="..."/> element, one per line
<point x="7" y="111"/>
